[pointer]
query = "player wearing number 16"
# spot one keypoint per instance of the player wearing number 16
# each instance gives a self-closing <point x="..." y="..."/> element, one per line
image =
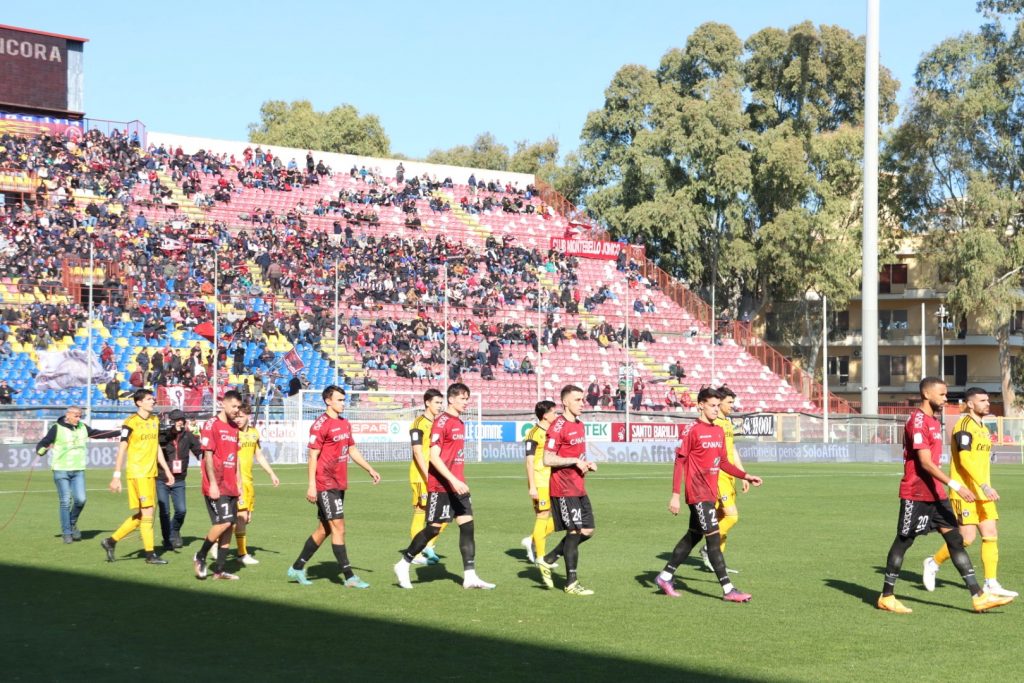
<point x="330" y="447"/>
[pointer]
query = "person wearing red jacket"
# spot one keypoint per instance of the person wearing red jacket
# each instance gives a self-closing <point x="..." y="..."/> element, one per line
<point x="699" y="458"/>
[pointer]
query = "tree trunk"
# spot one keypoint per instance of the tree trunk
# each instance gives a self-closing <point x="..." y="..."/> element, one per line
<point x="1010" y="409"/>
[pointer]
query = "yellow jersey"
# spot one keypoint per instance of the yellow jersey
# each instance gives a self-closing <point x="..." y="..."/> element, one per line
<point x="248" y="442"/>
<point x="730" y="443"/>
<point x="535" y="439"/>
<point x="419" y="434"/>
<point x="971" y="456"/>
<point x="143" y="439"/>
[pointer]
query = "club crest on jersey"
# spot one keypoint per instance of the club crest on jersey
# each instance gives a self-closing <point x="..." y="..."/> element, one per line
<point x="434" y="438"/>
<point x="918" y="438"/>
<point x="312" y="439"/>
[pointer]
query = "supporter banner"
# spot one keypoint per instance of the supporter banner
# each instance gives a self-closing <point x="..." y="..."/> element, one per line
<point x="27" y="125"/>
<point x="756" y="425"/>
<point x="646" y="431"/>
<point x="67" y="369"/>
<point x="181" y="397"/>
<point x="587" y="248"/>
<point x="293" y="362"/>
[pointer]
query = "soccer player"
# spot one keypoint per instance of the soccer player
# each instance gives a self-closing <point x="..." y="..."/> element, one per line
<point x="924" y="506"/>
<point x="222" y="484"/>
<point x="419" y="435"/>
<point x="248" y="450"/>
<point x="699" y="458"/>
<point x="538" y="475"/>
<point x="140" y="448"/>
<point x="725" y="507"/>
<point x="448" y="494"/>
<point x="971" y="452"/>
<point x="566" y="455"/>
<point x="330" y="447"/>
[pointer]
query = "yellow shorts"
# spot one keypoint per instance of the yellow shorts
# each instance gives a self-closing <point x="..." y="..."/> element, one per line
<point x="543" y="502"/>
<point x="247" y="501"/>
<point x="419" y="493"/>
<point x="972" y="513"/>
<point x="726" y="492"/>
<point x="141" y="493"/>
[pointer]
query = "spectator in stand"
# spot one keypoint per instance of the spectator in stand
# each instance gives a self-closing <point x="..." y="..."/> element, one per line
<point x="593" y="392"/>
<point x="6" y="393"/>
<point x="638" y="393"/>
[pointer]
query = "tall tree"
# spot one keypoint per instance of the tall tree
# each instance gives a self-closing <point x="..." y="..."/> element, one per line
<point x="738" y="164"/>
<point x="342" y="129"/>
<point x="957" y="169"/>
<point x="485" y="153"/>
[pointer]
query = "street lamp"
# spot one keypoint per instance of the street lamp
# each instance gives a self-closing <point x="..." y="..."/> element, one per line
<point x="941" y="314"/>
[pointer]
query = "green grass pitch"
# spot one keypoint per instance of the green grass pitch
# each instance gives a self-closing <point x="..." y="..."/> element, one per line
<point x="810" y="547"/>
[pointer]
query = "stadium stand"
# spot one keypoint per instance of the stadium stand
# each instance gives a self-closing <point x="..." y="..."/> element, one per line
<point x="272" y="236"/>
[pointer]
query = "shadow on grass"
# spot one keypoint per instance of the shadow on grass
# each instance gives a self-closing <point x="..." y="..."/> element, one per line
<point x="869" y="595"/>
<point x="682" y="583"/>
<point x="111" y="630"/>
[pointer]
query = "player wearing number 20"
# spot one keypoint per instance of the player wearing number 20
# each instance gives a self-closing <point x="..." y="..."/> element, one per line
<point x="700" y="456"/>
<point x="331" y="446"/>
<point x="924" y="506"/>
<point x="447" y="492"/>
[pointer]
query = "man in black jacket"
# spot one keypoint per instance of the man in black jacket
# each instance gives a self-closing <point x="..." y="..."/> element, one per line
<point x="178" y="443"/>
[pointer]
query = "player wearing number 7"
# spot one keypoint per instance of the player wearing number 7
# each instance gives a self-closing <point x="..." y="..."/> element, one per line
<point x="330" y="447"/>
<point x="924" y="506"/>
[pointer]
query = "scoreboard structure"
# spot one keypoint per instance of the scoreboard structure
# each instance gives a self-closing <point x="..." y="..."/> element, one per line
<point x="41" y="73"/>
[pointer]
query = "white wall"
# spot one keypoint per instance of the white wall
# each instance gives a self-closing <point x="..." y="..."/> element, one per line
<point x="338" y="162"/>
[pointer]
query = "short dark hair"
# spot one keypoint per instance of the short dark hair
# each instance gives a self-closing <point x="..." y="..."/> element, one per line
<point x="329" y="391"/>
<point x="568" y="389"/>
<point x="141" y="394"/>
<point x="430" y="394"/>
<point x="542" y="408"/>
<point x="707" y="393"/>
<point x="927" y="383"/>
<point x="726" y="392"/>
<point x="974" y="391"/>
<point x="232" y="394"/>
<point x="457" y="389"/>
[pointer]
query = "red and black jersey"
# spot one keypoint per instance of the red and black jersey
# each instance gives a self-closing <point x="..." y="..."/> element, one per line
<point x="700" y="456"/>
<point x="921" y="432"/>
<point x="448" y="433"/>
<point x="567" y="439"/>
<point x="221" y="439"/>
<point x="332" y="436"/>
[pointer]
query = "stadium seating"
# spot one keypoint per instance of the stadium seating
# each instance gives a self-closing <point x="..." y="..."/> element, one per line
<point x="673" y="335"/>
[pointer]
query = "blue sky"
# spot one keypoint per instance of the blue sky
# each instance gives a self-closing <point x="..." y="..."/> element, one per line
<point x="435" y="73"/>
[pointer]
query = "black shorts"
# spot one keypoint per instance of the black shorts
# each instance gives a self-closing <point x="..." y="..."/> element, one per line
<point x="703" y="517"/>
<point x="222" y="510"/>
<point x="444" y="507"/>
<point x="572" y="513"/>
<point x="919" y="517"/>
<point x="330" y="504"/>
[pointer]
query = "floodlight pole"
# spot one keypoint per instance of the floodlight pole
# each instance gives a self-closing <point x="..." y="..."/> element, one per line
<point x="869" y="266"/>
<point x="88" y="353"/>
<point x="446" y="369"/>
<point x="824" y="366"/>
<point x="216" y="325"/>
<point x="540" y="332"/>
<point x="336" y="326"/>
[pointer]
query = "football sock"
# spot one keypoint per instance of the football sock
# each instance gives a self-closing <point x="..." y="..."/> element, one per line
<point x="556" y="552"/>
<point x="222" y="557"/>
<point x="990" y="556"/>
<point x="713" y="542"/>
<point x="894" y="562"/>
<point x="942" y="555"/>
<point x="682" y="550"/>
<point x="724" y="525"/>
<point x="419" y="542"/>
<point x="308" y="551"/>
<point x="243" y="547"/>
<point x="419" y="520"/>
<point x="572" y="556"/>
<point x="341" y="555"/>
<point x="129" y="525"/>
<point x="962" y="561"/>
<point x="433" y="541"/>
<point x="204" y="549"/>
<point x="540" y="536"/>
<point x="467" y="545"/>
<point x="146" y="531"/>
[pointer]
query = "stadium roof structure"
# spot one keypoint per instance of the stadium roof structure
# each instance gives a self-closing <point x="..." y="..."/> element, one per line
<point x="45" y="33"/>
